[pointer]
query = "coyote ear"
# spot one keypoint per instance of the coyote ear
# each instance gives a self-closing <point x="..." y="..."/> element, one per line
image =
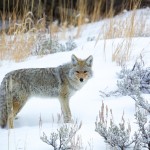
<point x="74" y="60"/>
<point x="89" y="60"/>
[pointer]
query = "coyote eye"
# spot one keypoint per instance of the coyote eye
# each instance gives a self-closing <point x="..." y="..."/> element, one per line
<point x="85" y="71"/>
<point x="77" y="71"/>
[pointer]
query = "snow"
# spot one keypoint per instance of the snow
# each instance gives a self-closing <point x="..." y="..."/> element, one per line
<point x="86" y="103"/>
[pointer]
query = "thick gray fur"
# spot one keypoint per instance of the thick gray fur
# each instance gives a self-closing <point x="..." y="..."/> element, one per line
<point x="61" y="82"/>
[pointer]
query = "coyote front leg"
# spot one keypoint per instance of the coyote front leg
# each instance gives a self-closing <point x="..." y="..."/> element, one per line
<point x="65" y="109"/>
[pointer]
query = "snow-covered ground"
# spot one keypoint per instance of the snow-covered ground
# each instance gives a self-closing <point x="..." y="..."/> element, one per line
<point x="86" y="103"/>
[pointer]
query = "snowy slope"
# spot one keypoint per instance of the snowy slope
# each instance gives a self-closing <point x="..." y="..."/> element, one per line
<point x="86" y="103"/>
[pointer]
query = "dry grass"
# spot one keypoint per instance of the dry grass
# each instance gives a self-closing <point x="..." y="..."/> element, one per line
<point x="18" y="30"/>
<point x="122" y="51"/>
<point x="17" y="41"/>
<point x="126" y="28"/>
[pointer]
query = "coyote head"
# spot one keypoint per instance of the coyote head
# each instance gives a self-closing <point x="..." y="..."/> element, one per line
<point x="81" y="70"/>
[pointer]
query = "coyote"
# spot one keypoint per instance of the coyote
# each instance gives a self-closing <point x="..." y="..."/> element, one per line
<point x="61" y="82"/>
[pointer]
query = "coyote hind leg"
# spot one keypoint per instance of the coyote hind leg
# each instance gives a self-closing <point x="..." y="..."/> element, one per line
<point x="11" y="120"/>
<point x="17" y="105"/>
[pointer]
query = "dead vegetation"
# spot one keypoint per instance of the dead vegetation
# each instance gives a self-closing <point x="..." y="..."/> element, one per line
<point x="19" y="29"/>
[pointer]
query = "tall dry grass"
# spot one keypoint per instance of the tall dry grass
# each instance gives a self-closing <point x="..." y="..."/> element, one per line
<point x="17" y="28"/>
<point x="18" y="38"/>
<point x="126" y="29"/>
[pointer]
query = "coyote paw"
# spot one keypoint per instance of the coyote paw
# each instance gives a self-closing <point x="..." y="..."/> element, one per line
<point x="68" y="120"/>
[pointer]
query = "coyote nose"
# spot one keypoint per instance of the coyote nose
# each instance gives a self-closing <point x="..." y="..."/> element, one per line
<point x="81" y="79"/>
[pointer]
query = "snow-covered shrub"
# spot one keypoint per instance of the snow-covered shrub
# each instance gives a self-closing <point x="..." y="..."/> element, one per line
<point x="132" y="81"/>
<point x="64" y="138"/>
<point x="117" y="137"/>
<point x="48" y="45"/>
<point x="143" y="132"/>
<point x="141" y="102"/>
<point x="129" y="83"/>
